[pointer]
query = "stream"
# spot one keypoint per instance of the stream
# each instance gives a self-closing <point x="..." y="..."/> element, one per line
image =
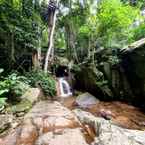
<point x="122" y="114"/>
<point x="59" y="122"/>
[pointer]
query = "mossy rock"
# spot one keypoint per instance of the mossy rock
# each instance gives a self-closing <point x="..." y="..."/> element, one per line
<point x="92" y="80"/>
<point x="23" y="106"/>
<point x="133" y="62"/>
<point x="5" y="122"/>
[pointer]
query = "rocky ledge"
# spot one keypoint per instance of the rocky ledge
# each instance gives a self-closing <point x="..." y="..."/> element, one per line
<point x="50" y="123"/>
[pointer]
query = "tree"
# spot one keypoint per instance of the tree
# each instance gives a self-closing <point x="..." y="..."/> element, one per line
<point x="114" y="22"/>
<point x="51" y="33"/>
<point x="21" y="30"/>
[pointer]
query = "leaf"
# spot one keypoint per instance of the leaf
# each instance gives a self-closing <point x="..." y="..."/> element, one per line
<point x="3" y="91"/>
<point x="1" y="70"/>
<point x="2" y="102"/>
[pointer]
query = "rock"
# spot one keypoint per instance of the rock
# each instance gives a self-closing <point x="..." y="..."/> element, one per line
<point x="85" y="100"/>
<point x="20" y="107"/>
<point x="5" y="122"/>
<point x="120" y="84"/>
<point x="66" y="137"/>
<point x="134" y="46"/>
<point x="47" y="116"/>
<point x="28" y="133"/>
<point x="10" y="139"/>
<point x="109" y="134"/>
<point x="133" y="63"/>
<point x="92" y="80"/>
<point x="33" y="95"/>
<point x="106" y="114"/>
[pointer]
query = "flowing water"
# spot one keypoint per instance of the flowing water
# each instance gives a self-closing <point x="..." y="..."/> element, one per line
<point x="124" y="115"/>
<point x="65" y="89"/>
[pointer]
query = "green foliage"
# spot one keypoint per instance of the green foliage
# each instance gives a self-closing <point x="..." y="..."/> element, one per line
<point x="21" y="29"/>
<point x="17" y="84"/>
<point x="3" y="90"/>
<point x="138" y="32"/>
<point x="2" y="102"/>
<point x="114" y="22"/>
<point x="45" y="81"/>
<point x="12" y="87"/>
<point x="88" y="26"/>
<point x="101" y="83"/>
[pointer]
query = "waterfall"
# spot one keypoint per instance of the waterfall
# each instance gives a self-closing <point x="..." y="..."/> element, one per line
<point x="65" y="89"/>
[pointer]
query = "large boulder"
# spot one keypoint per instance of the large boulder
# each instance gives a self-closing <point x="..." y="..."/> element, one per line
<point x="85" y="100"/>
<point x="65" y="137"/>
<point x="33" y="95"/>
<point x="133" y="62"/>
<point x="20" y="108"/>
<point x="47" y="123"/>
<point x="107" y="133"/>
<point x="91" y="79"/>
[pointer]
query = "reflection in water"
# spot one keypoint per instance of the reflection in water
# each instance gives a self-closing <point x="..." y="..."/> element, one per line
<point x="65" y="89"/>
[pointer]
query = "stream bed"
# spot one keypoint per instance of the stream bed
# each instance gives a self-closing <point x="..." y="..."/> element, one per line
<point x="123" y="114"/>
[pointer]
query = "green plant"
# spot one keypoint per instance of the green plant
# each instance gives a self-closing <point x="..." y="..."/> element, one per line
<point x="12" y="86"/>
<point x="3" y="90"/>
<point x="138" y="32"/>
<point x="2" y="103"/>
<point x="45" y="81"/>
<point x="114" y="22"/>
<point x="17" y="84"/>
<point x="2" y="99"/>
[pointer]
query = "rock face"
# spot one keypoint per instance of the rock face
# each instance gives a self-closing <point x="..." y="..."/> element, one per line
<point x="133" y="62"/>
<point x="21" y="107"/>
<point x="47" y="123"/>
<point x="109" y="134"/>
<point x="5" y="122"/>
<point x="91" y="79"/>
<point x="65" y="137"/>
<point x="119" y="76"/>
<point x="85" y="100"/>
<point x="33" y="95"/>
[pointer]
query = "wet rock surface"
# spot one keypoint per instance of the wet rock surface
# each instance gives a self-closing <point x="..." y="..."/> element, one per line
<point x="85" y="100"/>
<point x="109" y="134"/>
<point x="64" y="137"/>
<point x="122" y="114"/>
<point x="50" y="123"/>
<point x="5" y="122"/>
<point x="50" y="115"/>
<point x="47" y="123"/>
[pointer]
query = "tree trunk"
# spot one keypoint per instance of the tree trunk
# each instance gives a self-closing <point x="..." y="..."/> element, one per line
<point x="39" y="57"/>
<point x="39" y="49"/>
<point x="12" y="48"/>
<point x="50" y="47"/>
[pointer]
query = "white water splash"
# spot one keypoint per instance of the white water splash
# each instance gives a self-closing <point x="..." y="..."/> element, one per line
<point x="65" y="89"/>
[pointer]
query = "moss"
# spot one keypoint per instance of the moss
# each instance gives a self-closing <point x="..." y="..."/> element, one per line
<point x="23" y="106"/>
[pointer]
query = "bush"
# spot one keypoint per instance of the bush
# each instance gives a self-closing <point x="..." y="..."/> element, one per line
<point x="114" y="22"/>
<point x="138" y="32"/>
<point x="45" y="81"/>
<point x="18" y="85"/>
<point x="3" y="90"/>
<point x="12" y="86"/>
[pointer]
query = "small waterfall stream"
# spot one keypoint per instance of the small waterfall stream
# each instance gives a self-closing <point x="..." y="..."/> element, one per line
<point x="65" y="89"/>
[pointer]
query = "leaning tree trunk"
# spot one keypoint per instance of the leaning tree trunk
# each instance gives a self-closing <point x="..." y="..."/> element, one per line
<point x="50" y="47"/>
